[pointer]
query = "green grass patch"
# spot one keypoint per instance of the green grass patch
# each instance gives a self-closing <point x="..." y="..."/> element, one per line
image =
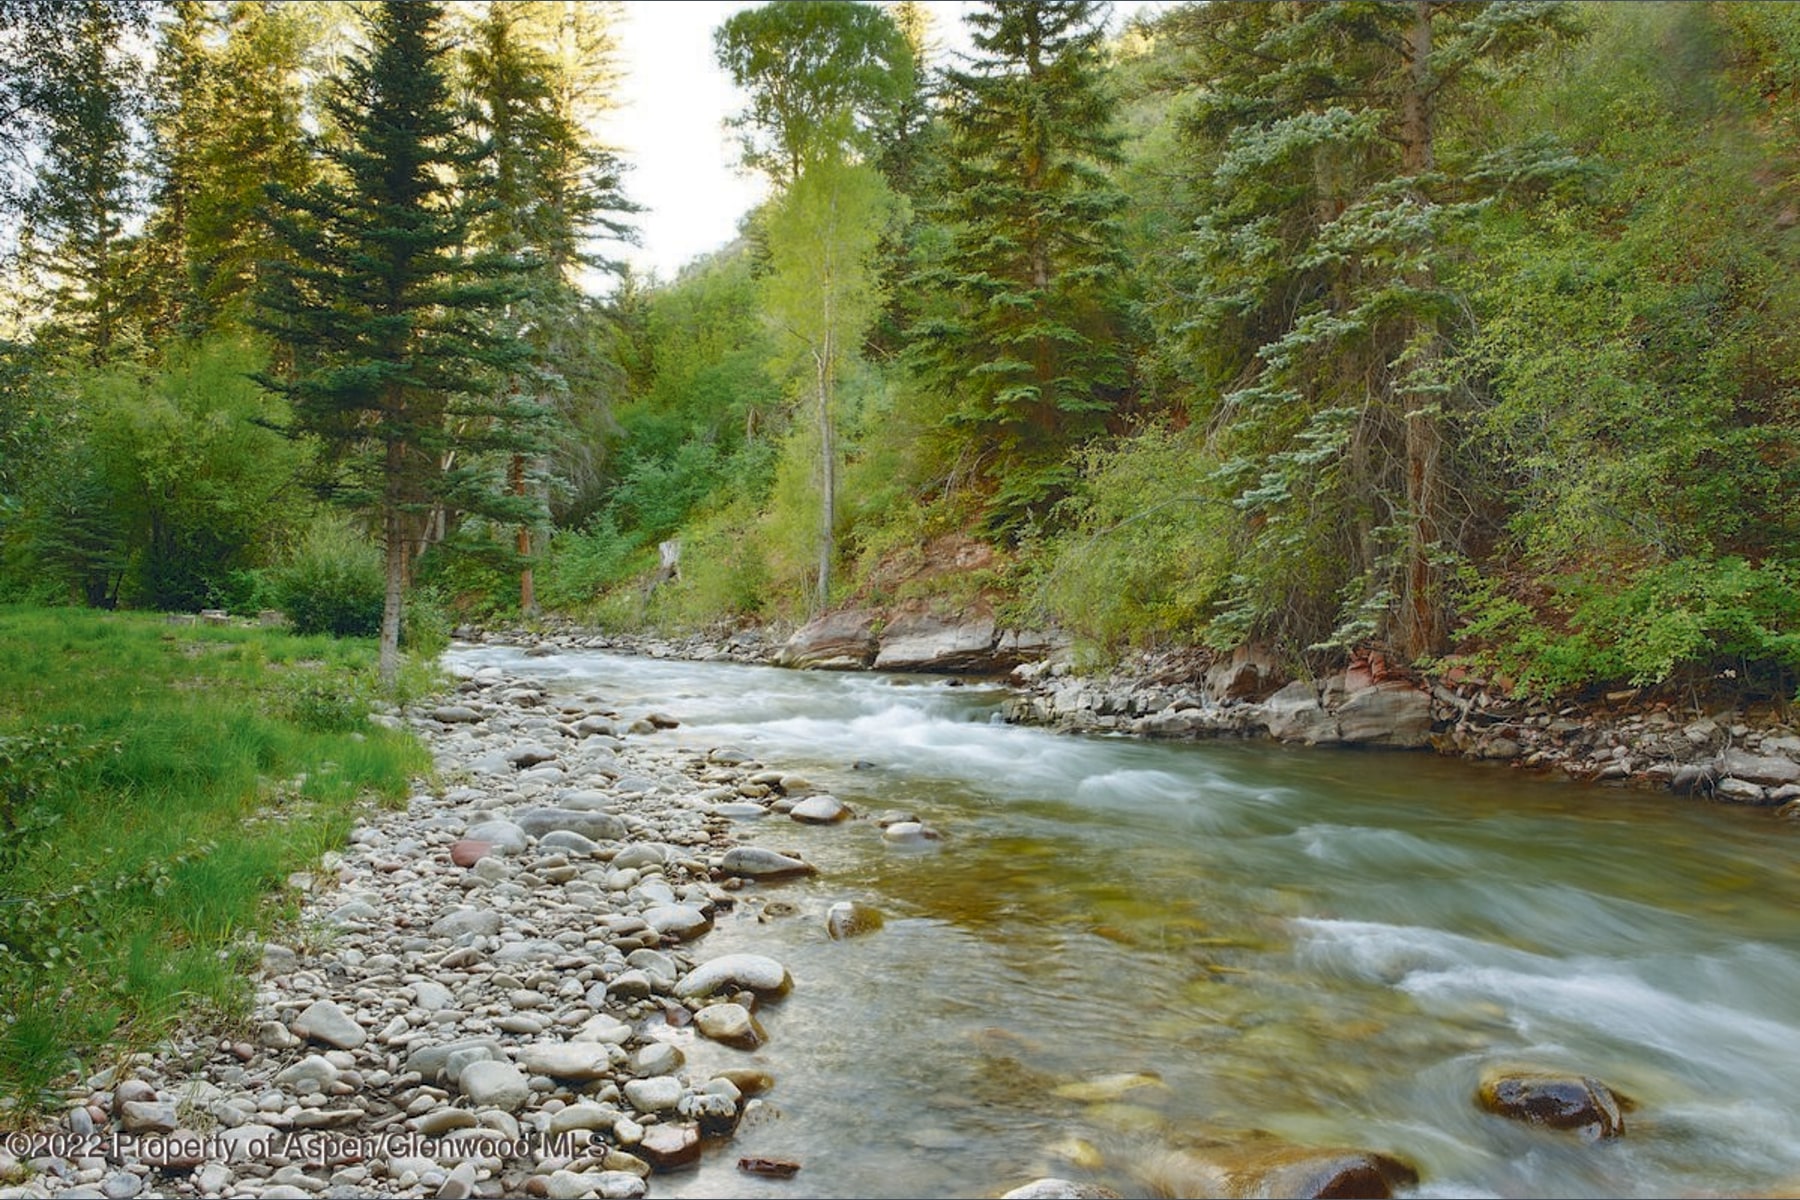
<point x="158" y="783"/>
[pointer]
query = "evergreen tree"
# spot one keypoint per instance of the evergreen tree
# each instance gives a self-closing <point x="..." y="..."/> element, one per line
<point x="391" y="323"/>
<point x="1024" y="343"/>
<point x="1317" y="311"/>
<point x="84" y="92"/>
<point x="554" y="192"/>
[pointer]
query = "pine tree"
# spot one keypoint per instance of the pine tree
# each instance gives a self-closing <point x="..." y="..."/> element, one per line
<point x="1024" y="344"/>
<point x="554" y="193"/>
<point x="84" y="93"/>
<point x="1317" y="310"/>
<point x="392" y="325"/>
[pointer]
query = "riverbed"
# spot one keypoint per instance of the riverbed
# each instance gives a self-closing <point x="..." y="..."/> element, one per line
<point x="1120" y="950"/>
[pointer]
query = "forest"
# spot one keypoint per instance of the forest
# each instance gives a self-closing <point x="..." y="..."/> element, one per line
<point x="1462" y="331"/>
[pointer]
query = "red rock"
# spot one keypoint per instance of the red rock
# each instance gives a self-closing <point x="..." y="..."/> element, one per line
<point x="468" y="852"/>
<point x="670" y="1147"/>
<point x="778" y="1168"/>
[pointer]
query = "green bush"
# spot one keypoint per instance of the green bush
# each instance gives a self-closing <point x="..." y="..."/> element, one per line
<point x="333" y="584"/>
<point x="581" y="564"/>
<point x="425" y="623"/>
<point x="1722" y="618"/>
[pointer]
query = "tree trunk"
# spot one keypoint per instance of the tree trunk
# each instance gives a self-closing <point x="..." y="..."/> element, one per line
<point x="394" y="545"/>
<point x="527" y="586"/>
<point x="1421" y="605"/>
<point x="827" y="471"/>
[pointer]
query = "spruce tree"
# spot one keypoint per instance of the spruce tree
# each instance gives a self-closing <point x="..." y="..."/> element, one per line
<point x="1023" y="344"/>
<point x="1317" y="311"/>
<point x="390" y="320"/>
<point x="81" y="94"/>
<point x="555" y="193"/>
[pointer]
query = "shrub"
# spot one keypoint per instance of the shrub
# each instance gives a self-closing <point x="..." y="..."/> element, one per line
<point x="333" y="584"/>
<point x="581" y="564"/>
<point x="1689" y="617"/>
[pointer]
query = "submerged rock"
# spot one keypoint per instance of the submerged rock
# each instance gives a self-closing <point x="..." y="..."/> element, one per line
<point x="1059" y="1189"/>
<point x="1570" y="1102"/>
<point x="1259" y="1172"/>
<point x="848" y="919"/>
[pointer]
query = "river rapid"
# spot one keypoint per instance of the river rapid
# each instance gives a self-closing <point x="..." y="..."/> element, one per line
<point x="1121" y="949"/>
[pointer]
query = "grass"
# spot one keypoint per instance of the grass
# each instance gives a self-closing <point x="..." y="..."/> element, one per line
<point x="158" y="784"/>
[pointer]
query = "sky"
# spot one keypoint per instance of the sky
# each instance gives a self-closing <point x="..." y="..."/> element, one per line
<point x="670" y="125"/>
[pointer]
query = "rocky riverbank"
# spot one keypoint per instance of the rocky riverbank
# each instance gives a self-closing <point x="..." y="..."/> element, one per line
<point x="487" y="993"/>
<point x="1722" y="752"/>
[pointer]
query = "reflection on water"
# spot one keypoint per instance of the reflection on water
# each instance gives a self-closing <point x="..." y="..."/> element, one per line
<point x="1123" y="949"/>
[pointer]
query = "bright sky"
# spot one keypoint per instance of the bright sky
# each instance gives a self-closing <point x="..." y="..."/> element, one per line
<point x="670" y="126"/>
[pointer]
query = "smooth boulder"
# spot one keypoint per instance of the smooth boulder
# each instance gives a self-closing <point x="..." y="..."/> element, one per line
<point x="736" y="972"/>
<point x="759" y="863"/>
<point x="1575" y="1103"/>
<point x="841" y="641"/>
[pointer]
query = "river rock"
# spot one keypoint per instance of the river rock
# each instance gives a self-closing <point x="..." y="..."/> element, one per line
<point x="739" y="972"/>
<point x="1571" y="1102"/>
<point x="1740" y="791"/>
<point x="1294" y="714"/>
<point x="455" y="714"/>
<point x="683" y="922"/>
<point x="669" y="1147"/>
<point x="468" y="851"/>
<point x="323" y="1021"/>
<point x="840" y="641"/>
<point x="1059" y="1189"/>
<point x="848" y="919"/>
<point x="504" y="836"/>
<point x="730" y="1025"/>
<point x="491" y="1084"/>
<point x="314" y="1068"/>
<point x="599" y="826"/>
<point x="820" y="810"/>
<point x="658" y="1093"/>
<point x="433" y="1062"/>
<point x="568" y="841"/>
<point x="1766" y="769"/>
<point x="1267" y="1171"/>
<point x="464" y="922"/>
<point x="1392" y="713"/>
<point x="928" y="643"/>
<point x="566" y="1060"/>
<point x="910" y="833"/>
<point x="759" y="863"/>
<point x="148" y="1116"/>
<point x="529" y="754"/>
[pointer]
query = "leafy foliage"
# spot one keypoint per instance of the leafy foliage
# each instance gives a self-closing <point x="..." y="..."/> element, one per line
<point x="333" y="584"/>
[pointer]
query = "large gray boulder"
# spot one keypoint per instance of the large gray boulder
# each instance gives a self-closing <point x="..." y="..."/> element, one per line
<point x="927" y="643"/>
<point x="1294" y="714"/>
<point x="840" y="641"/>
<point x="1392" y="713"/>
<point x="1767" y="769"/>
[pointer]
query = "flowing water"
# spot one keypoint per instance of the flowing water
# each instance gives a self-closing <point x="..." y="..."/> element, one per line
<point x="1122" y="949"/>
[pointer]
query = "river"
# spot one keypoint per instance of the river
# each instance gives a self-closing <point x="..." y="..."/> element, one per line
<point x="1326" y="947"/>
